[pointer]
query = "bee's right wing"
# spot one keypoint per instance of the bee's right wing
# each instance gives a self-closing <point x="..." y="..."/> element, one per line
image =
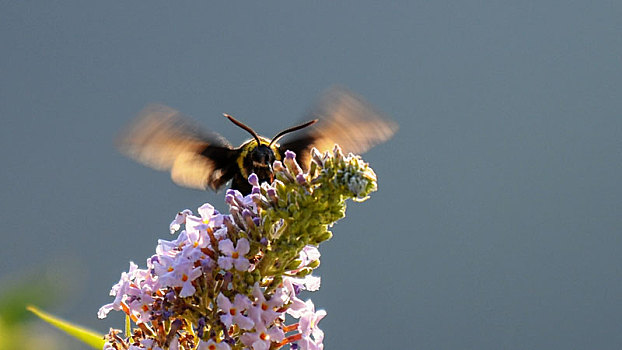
<point x="344" y="119"/>
<point x="163" y="139"/>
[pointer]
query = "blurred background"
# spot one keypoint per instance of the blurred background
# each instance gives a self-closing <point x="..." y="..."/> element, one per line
<point x="497" y="221"/>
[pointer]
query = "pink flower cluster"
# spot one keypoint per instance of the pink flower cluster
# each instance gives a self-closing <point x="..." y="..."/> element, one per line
<point x="232" y="281"/>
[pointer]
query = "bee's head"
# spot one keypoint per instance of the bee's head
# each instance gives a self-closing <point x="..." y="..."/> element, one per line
<point x="259" y="161"/>
<point x="261" y="156"/>
<point x="260" y="152"/>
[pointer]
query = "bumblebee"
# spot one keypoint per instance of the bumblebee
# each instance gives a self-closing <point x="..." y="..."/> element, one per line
<point x="163" y="139"/>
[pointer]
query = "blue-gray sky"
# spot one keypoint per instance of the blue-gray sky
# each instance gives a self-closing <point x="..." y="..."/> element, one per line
<point x="497" y="223"/>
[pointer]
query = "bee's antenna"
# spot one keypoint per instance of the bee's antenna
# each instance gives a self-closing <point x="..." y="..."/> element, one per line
<point x="293" y="128"/>
<point x="243" y="126"/>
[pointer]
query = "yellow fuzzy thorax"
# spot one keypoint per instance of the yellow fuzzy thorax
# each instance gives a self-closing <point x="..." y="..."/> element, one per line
<point x="251" y="145"/>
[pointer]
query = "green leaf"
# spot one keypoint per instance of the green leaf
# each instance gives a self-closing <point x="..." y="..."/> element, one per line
<point x="87" y="336"/>
<point x="16" y="295"/>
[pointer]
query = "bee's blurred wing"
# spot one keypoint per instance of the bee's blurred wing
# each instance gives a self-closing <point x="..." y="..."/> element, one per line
<point x="163" y="139"/>
<point x="344" y="119"/>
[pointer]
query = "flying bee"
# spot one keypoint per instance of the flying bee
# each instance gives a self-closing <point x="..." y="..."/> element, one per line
<point x="163" y="139"/>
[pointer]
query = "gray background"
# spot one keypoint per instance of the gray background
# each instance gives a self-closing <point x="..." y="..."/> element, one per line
<point x="497" y="223"/>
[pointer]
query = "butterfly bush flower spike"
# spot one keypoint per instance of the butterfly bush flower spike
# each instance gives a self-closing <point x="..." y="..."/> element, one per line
<point x="233" y="281"/>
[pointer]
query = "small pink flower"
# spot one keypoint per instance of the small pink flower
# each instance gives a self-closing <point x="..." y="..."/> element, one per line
<point x="312" y="336"/>
<point x="212" y="345"/>
<point x="262" y="337"/>
<point x="232" y="312"/>
<point x="263" y="310"/>
<point x="179" y="219"/>
<point x="234" y="256"/>
<point x="119" y="291"/>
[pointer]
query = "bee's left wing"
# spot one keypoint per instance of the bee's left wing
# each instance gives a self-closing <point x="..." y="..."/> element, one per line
<point x="344" y="119"/>
<point x="163" y="139"/>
